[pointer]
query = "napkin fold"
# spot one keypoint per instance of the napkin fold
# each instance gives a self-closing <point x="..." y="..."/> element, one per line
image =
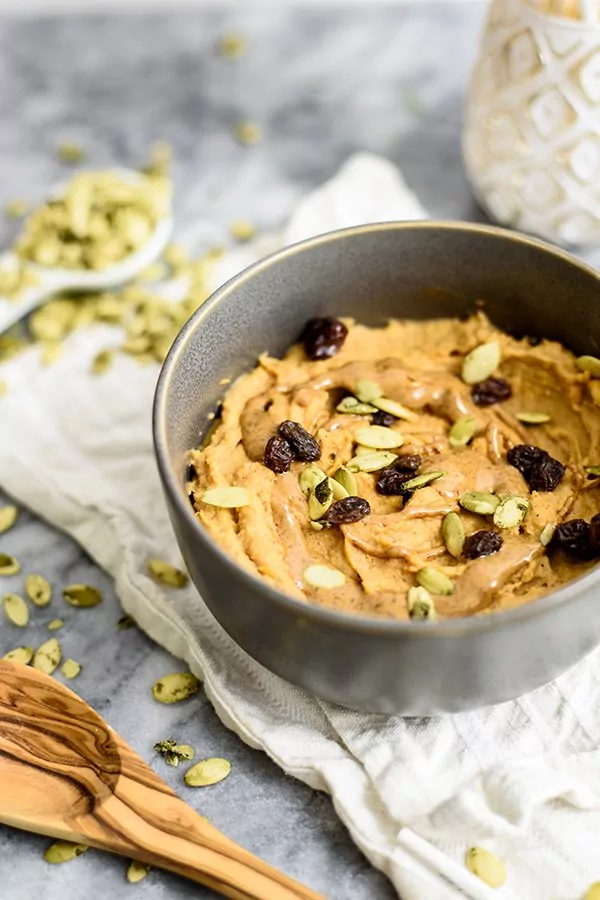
<point x="521" y="778"/>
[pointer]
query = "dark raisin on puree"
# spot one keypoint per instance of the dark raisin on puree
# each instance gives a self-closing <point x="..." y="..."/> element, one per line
<point x="540" y="470"/>
<point x="578" y="538"/>
<point x="524" y="456"/>
<point x="482" y="543"/>
<point x="383" y="418"/>
<point x="350" y="509"/>
<point x="304" y="446"/>
<point x="391" y="480"/>
<point x="278" y="455"/>
<point x="323" y="337"/>
<point x="493" y="390"/>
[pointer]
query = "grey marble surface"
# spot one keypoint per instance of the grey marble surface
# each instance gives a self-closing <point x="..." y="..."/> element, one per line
<point x="322" y="83"/>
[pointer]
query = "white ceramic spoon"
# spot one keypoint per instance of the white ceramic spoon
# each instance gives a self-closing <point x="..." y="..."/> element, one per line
<point x="56" y="280"/>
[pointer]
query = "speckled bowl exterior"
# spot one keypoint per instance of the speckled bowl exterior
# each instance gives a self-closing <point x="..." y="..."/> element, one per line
<point x="419" y="270"/>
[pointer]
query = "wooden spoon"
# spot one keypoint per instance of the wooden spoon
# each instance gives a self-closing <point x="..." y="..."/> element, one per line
<point x="65" y="773"/>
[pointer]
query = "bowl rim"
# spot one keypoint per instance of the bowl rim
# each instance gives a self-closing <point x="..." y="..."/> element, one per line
<point x="373" y="625"/>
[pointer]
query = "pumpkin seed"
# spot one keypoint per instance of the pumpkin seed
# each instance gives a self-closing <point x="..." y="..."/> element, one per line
<point x="481" y="362"/>
<point x="172" y="752"/>
<point x="462" y="431"/>
<point x="22" y="655"/>
<point x="9" y="565"/>
<point x="16" y="610"/>
<point x="67" y="151"/>
<point x="207" y="771"/>
<point x="8" y="517"/>
<point x="137" y="871"/>
<point x="38" y="590"/>
<point x="370" y="462"/>
<point x="125" y="622"/>
<point x="511" y="512"/>
<point x="320" y="499"/>
<point x="175" y="687"/>
<point x="167" y="574"/>
<point x="378" y="437"/>
<point x="593" y="470"/>
<point x="47" y="657"/>
<point x="454" y="534"/>
<point x="248" y="133"/>
<point x="309" y="478"/>
<point x="226" y="497"/>
<point x="420" y="604"/>
<point x="55" y="624"/>
<point x="231" y="46"/>
<point x="352" y="406"/>
<point x="589" y="364"/>
<point x="102" y="362"/>
<point x="347" y="480"/>
<point x="393" y="408"/>
<point x="487" y="866"/>
<point x="321" y="576"/>
<point x="63" y="851"/>
<point x="479" y="502"/>
<point x="367" y="391"/>
<point x="339" y="491"/>
<point x="82" y="595"/>
<point x="362" y="451"/>
<point x="242" y="230"/>
<point x="434" y="581"/>
<point x="421" y="481"/>
<point x="316" y="526"/>
<point x="547" y="534"/>
<point x="70" y="668"/>
<point x="16" y="209"/>
<point x="593" y="892"/>
<point x="533" y="418"/>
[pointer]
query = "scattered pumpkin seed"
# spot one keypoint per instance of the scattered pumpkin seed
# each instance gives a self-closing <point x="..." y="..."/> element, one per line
<point x="67" y="151"/>
<point x="316" y="526"/>
<point x="9" y="565"/>
<point x="82" y="595"/>
<point x="51" y="352"/>
<point x="589" y="364"/>
<point x="462" y="431"/>
<point x="353" y="407"/>
<point x="321" y="576"/>
<point x="242" y="230"/>
<point x="378" y="437"/>
<point x="231" y="46"/>
<point x="481" y="362"/>
<point x="487" y="866"/>
<point x="47" y="657"/>
<point x="593" y="892"/>
<point x="16" y="209"/>
<point x="70" y="668"/>
<point x="167" y="574"/>
<point x="55" y="624"/>
<point x="420" y="604"/>
<point x="22" y="655"/>
<point x="533" y="418"/>
<point x="593" y="470"/>
<point x="152" y="273"/>
<point x="339" y="491"/>
<point x="310" y="477"/>
<point x="347" y="480"/>
<point x="172" y="752"/>
<point x="226" y="497"/>
<point x="393" y="408"/>
<point x="125" y="622"/>
<point x="454" y="534"/>
<point x="359" y="450"/>
<point x="137" y="871"/>
<point x="16" y="610"/>
<point x="370" y="462"/>
<point x="175" y="687"/>
<point x="479" y="502"/>
<point x="367" y="391"/>
<point x="38" y="590"/>
<point x="63" y="851"/>
<point x="434" y="581"/>
<point x="421" y="481"/>
<point x="547" y="534"/>
<point x="102" y="362"/>
<point x="511" y="512"/>
<point x="3" y="388"/>
<point x="320" y="499"/>
<point x="8" y="517"/>
<point x="248" y="133"/>
<point x="207" y="771"/>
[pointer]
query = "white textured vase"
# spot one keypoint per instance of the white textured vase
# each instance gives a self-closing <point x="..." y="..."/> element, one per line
<point x="532" y="134"/>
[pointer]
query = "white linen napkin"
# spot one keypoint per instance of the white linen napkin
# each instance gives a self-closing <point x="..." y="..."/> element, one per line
<point x="522" y="778"/>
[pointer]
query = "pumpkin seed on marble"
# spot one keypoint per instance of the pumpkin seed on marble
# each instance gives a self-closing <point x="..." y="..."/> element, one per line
<point x="533" y="418"/>
<point x="420" y="604"/>
<point x="175" y="687"/>
<point x="9" y="565"/>
<point x="248" y="133"/>
<point x="47" y="657"/>
<point x="547" y="534"/>
<point x="352" y="406"/>
<point x="589" y="364"/>
<point x="486" y="865"/>
<point x="320" y="499"/>
<point x="435" y="581"/>
<point x="479" y="502"/>
<point x="167" y="574"/>
<point x="226" y="497"/>
<point x="347" y="480"/>
<point x="207" y="771"/>
<point x="16" y="610"/>
<point x="55" y="624"/>
<point x="51" y="352"/>
<point x="393" y="408"/>
<point x="102" y="362"/>
<point x="378" y="437"/>
<point x="3" y="388"/>
<point x="38" y="590"/>
<point x="231" y="46"/>
<point x="453" y="531"/>
<point x="481" y="362"/>
<point x="22" y="655"/>
<point x="8" y="517"/>
<point x="125" y="622"/>
<point x="137" y="871"/>
<point x="421" y="481"/>
<point x="339" y="491"/>
<point x="70" y="668"/>
<point x="593" y="470"/>
<point x="593" y="892"/>
<point x="321" y="576"/>
<point x="82" y="595"/>
<point x="68" y="151"/>
<point x="63" y="851"/>
<point x="15" y="209"/>
<point x="511" y="512"/>
<point x="310" y="477"/>
<point x="242" y="230"/>
<point x="370" y="462"/>
<point x="368" y="391"/>
<point x="172" y="752"/>
<point x="462" y="431"/>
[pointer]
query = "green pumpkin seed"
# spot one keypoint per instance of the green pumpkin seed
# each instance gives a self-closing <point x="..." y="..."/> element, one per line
<point x="378" y="437"/>
<point x="227" y="497"/>
<point x="593" y="892"/>
<point x="370" y="462"/>
<point x="9" y="565"/>
<point x="589" y="364"/>
<point x="339" y="491"/>
<point x="16" y="610"/>
<point x="309" y="478"/>
<point x="347" y="480"/>
<point x="70" y="668"/>
<point x="462" y="431"/>
<point x="547" y="534"/>
<point x="368" y="391"/>
<point x="38" y="590"/>
<point x="320" y="499"/>
<point x="232" y="45"/>
<point x="207" y="771"/>
<point x="47" y="657"/>
<point x="487" y="866"/>
<point x="172" y="752"/>
<point x="434" y="581"/>
<point x="175" y="687"/>
<point x="479" y="502"/>
<point x="593" y="470"/>
<point x="454" y="534"/>
<point x="481" y="362"/>
<point x="511" y="512"/>
<point x="55" y="624"/>
<point x="167" y="574"/>
<point x="82" y="595"/>
<point x="393" y="408"/>
<point x="321" y="576"/>
<point x="102" y="362"/>
<point x="22" y="655"/>
<point x="8" y="517"/>
<point x="533" y="418"/>
<point x="362" y="451"/>
<point x="137" y="871"/>
<point x="63" y="851"/>
<point x="421" y="481"/>
<point x="420" y="604"/>
<point x="352" y="407"/>
<point x="125" y="622"/>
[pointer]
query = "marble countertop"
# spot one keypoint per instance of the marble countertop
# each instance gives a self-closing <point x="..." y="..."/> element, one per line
<point x="322" y="83"/>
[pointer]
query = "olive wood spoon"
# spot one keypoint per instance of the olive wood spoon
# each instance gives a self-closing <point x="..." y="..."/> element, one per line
<point x="65" y="773"/>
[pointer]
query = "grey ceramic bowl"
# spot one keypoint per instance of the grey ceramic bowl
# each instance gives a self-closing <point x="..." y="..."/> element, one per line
<point x="421" y="270"/>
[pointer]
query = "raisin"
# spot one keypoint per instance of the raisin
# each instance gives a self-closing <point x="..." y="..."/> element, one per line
<point x="350" y="509"/>
<point x="383" y="418"/>
<point x="574" y="537"/>
<point x="523" y="457"/>
<point x="323" y="337"/>
<point x="409" y="463"/>
<point x="304" y="446"/>
<point x="595" y="534"/>
<point x="190" y="473"/>
<point x="278" y="455"/>
<point x="192" y="500"/>
<point x="391" y="480"/>
<point x="482" y="543"/>
<point x="490" y="391"/>
<point x="546" y="474"/>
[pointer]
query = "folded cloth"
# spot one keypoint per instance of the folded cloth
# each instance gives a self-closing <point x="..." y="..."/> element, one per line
<point x="522" y="778"/>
